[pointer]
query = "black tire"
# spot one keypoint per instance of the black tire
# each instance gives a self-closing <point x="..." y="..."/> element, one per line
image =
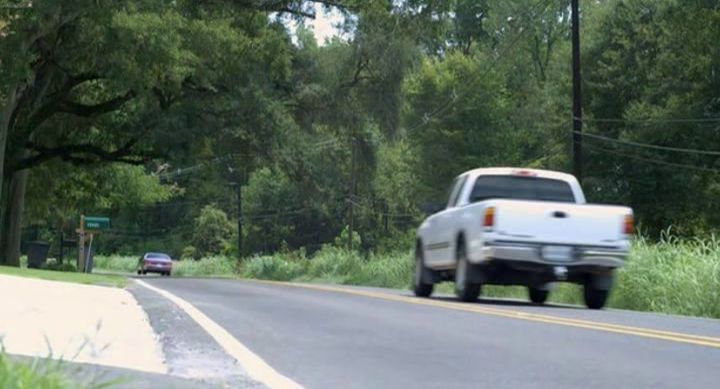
<point x="423" y="278"/>
<point x="144" y="272"/>
<point x="465" y="289"/>
<point x="538" y="296"/>
<point x="139" y="272"/>
<point x="595" y="298"/>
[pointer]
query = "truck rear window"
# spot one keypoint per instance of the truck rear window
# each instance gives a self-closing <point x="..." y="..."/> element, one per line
<point x="521" y="188"/>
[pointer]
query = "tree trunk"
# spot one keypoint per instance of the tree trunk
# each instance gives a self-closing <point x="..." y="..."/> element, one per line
<point x="5" y="123"/>
<point x="4" y="189"/>
<point x="12" y="223"/>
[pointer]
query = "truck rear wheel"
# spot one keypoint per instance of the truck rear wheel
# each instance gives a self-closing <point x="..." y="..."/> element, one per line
<point x="538" y="296"/>
<point x="423" y="279"/>
<point x="595" y="298"/>
<point x="465" y="289"/>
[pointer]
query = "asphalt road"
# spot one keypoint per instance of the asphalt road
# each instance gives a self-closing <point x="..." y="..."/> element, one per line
<point x="326" y="339"/>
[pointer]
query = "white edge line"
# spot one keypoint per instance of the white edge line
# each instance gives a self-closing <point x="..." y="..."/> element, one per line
<point x="255" y="366"/>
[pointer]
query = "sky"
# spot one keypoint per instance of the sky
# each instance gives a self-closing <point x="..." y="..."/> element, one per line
<point x="323" y="25"/>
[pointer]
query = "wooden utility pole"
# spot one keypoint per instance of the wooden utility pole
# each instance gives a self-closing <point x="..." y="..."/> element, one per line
<point x="237" y="184"/>
<point x="577" y="93"/>
<point x="353" y="179"/>
<point x="81" y="245"/>
<point x="238" y="189"/>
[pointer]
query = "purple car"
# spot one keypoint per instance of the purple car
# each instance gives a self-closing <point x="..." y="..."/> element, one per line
<point x="155" y="263"/>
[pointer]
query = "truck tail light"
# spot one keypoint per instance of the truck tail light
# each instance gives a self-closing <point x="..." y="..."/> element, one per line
<point x="489" y="219"/>
<point x="628" y="225"/>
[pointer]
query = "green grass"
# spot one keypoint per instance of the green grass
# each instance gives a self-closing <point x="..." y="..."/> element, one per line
<point x="121" y="263"/>
<point x="20" y="375"/>
<point x="49" y="373"/>
<point x="206" y="267"/>
<point x="78" y="278"/>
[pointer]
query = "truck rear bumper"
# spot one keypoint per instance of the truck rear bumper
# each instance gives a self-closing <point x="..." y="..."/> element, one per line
<point x="581" y="256"/>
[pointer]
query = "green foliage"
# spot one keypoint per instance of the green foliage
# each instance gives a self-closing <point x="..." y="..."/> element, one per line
<point x="67" y="266"/>
<point x="212" y="232"/>
<point x="270" y="268"/>
<point x="342" y="240"/>
<point x="471" y="135"/>
<point x="268" y="199"/>
<point x="652" y="66"/>
<point x="211" y="93"/>
<point x="210" y="266"/>
<point x="119" y="263"/>
<point x="672" y="276"/>
<point x="189" y="252"/>
<point x="56" y="192"/>
<point x="37" y="374"/>
<point x="396" y="180"/>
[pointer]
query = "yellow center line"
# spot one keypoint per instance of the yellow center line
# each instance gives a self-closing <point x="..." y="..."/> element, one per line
<point x="698" y="340"/>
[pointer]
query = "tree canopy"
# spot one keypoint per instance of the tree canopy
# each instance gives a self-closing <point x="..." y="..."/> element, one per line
<point x="150" y="111"/>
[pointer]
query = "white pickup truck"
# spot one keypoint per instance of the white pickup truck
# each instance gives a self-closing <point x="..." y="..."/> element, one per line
<point x="507" y="226"/>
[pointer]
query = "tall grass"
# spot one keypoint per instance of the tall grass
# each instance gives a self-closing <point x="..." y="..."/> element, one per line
<point x="121" y="263"/>
<point x="23" y="375"/>
<point x="211" y="266"/>
<point x="671" y="276"/>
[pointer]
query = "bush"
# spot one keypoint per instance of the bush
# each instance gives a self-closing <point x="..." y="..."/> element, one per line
<point x="212" y="232"/>
<point x="121" y="263"/>
<point x="212" y="266"/>
<point x="189" y="252"/>
<point x="341" y="240"/>
<point x="273" y="268"/>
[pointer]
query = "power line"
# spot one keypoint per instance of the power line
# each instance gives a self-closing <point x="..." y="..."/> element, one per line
<point x="182" y="171"/>
<point x="651" y="121"/>
<point x="655" y="161"/>
<point x="649" y="146"/>
<point x="224" y="158"/>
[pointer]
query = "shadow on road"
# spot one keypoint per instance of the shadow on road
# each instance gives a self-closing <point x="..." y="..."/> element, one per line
<point x="506" y="302"/>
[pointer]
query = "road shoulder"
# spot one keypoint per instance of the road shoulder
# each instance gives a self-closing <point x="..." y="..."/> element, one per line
<point x="189" y="351"/>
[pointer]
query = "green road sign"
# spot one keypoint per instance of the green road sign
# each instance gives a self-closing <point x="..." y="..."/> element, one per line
<point x="97" y="223"/>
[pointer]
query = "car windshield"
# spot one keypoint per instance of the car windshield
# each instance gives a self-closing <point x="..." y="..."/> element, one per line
<point x="521" y="188"/>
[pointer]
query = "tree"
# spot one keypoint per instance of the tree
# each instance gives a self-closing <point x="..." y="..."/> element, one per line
<point x="649" y="66"/>
<point x="457" y="120"/>
<point x="212" y="232"/>
<point x="92" y="82"/>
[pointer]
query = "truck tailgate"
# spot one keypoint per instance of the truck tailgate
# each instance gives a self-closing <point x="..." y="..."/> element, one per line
<point x="560" y="223"/>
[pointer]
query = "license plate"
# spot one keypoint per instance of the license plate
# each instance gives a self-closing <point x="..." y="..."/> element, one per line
<point x="557" y="253"/>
